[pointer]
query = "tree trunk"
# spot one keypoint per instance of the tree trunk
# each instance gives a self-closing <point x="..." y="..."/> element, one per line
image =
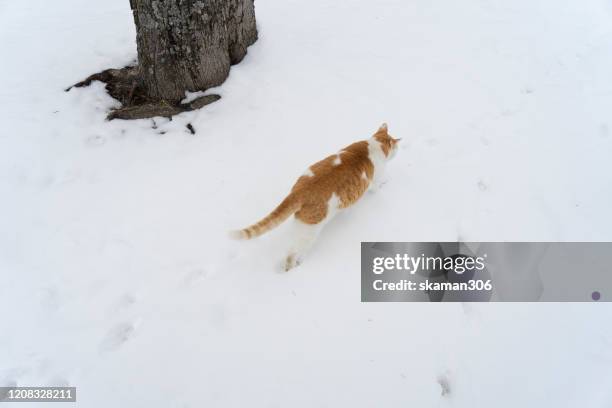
<point x="183" y="45"/>
<point x="189" y="45"/>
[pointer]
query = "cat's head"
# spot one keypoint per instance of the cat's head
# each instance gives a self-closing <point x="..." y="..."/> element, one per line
<point x="388" y="144"/>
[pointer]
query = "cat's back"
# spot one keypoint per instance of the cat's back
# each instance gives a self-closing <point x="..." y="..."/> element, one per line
<point x="346" y="174"/>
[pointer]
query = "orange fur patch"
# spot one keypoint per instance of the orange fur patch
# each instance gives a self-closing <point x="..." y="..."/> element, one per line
<point x="344" y="179"/>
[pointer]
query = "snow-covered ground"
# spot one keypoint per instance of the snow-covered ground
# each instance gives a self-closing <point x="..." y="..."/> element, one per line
<point x="117" y="276"/>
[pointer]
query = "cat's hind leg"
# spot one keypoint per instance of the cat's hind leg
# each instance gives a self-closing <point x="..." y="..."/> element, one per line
<point x="307" y="224"/>
<point x="303" y="237"/>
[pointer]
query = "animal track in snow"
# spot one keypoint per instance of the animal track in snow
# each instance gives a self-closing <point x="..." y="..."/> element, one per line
<point x="117" y="336"/>
<point x="95" y="140"/>
<point x="482" y="186"/>
<point x="444" y="383"/>
<point x="124" y="302"/>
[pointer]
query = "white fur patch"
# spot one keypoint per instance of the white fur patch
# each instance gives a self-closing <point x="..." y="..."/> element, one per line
<point x="237" y="234"/>
<point x="334" y="201"/>
<point x="333" y="205"/>
<point x="337" y="160"/>
<point x="308" y="173"/>
<point x="376" y="155"/>
<point x="364" y="176"/>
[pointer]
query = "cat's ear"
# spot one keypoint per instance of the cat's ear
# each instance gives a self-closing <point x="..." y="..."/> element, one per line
<point x="383" y="128"/>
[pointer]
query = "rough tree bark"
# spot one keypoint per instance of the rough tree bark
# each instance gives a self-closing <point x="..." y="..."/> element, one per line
<point x="183" y="45"/>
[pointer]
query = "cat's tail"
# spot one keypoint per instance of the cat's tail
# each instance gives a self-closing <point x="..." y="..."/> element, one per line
<point x="285" y="209"/>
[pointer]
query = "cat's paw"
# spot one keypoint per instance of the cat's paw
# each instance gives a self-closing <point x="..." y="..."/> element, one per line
<point x="292" y="261"/>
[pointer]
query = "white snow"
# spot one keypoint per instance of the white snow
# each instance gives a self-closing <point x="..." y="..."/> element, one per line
<point x="117" y="274"/>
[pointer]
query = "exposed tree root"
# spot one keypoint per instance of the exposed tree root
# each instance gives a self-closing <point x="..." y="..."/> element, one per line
<point x="125" y="85"/>
<point x="149" y="110"/>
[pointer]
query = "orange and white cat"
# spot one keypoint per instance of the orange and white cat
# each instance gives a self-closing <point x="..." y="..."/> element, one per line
<point x="328" y="186"/>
